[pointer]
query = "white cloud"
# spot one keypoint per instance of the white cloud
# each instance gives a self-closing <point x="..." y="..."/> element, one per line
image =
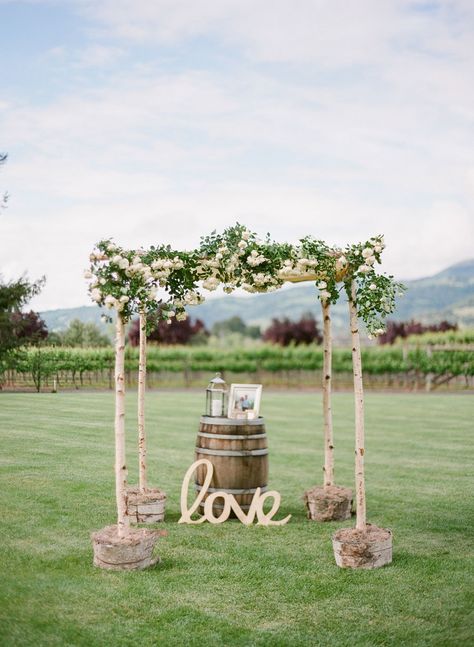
<point x="340" y="120"/>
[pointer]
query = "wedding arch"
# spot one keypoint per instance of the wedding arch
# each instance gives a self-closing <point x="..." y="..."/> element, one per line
<point x="129" y="281"/>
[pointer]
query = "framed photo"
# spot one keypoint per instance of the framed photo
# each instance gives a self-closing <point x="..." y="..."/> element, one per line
<point x="244" y="401"/>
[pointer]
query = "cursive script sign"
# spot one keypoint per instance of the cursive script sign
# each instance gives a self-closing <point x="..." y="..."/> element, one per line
<point x="256" y="506"/>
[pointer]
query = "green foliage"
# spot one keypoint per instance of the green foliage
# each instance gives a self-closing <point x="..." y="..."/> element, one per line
<point x="230" y="585"/>
<point x="237" y="325"/>
<point x="178" y="359"/>
<point x="128" y="280"/>
<point x="450" y="337"/>
<point x="80" y="335"/>
<point x="14" y="295"/>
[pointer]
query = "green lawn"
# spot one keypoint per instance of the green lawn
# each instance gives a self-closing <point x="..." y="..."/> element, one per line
<point x="232" y="585"/>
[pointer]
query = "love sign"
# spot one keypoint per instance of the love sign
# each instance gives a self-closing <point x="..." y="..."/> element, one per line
<point x="256" y="506"/>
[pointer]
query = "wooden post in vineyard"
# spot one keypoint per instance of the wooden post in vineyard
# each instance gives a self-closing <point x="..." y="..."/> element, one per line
<point x="327" y="386"/>
<point x="145" y="504"/>
<point x="119" y="547"/>
<point x="142" y="476"/>
<point x="120" y="464"/>
<point x="365" y="546"/>
<point x="359" y="411"/>
<point x="330" y="502"/>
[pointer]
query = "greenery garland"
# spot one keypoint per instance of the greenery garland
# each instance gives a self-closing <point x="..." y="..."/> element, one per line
<point x="128" y="280"/>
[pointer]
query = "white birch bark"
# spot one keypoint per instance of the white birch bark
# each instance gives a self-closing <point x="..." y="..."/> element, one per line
<point x="327" y="410"/>
<point x="142" y="482"/>
<point x="361" y="522"/>
<point x="123" y="522"/>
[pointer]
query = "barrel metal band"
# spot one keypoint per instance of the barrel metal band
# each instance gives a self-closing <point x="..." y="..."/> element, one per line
<point x="230" y="452"/>
<point x="204" y="434"/>
<point x="251" y="490"/>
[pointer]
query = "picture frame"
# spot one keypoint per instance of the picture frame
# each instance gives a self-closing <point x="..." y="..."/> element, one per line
<point x="244" y="401"/>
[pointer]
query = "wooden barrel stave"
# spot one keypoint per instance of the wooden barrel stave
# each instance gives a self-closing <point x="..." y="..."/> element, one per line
<point x="238" y="451"/>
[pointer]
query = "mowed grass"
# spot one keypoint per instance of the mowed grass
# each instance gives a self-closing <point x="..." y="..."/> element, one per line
<point x="232" y="585"/>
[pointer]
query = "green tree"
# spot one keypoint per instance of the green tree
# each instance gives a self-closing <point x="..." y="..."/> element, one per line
<point x="235" y="325"/>
<point x="14" y="325"/>
<point x="80" y="335"/>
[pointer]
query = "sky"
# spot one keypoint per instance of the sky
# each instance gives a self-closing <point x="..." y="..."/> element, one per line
<point x="157" y="121"/>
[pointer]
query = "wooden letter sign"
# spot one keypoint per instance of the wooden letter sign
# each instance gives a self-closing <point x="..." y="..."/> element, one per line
<point x="256" y="507"/>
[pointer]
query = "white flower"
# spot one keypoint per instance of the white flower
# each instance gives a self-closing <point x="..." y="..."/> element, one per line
<point x="109" y="301"/>
<point x="96" y="295"/>
<point x="370" y="260"/>
<point x="170" y="313"/>
<point x="87" y="274"/>
<point x="123" y="263"/>
<point x="242" y="244"/>
<point x="116" y="259"/>
<point x="219" y="256"/>
<point x="102" y="281"/>
<point x="181" y="316"/>
<point x="378" y="248"/>
<point x="124" y="299"/>
<point x="111" y="247"/>
<point x="368" y="251"/>
<point x="372" y="286"/>
<point x="341" y="263"/>
<point x="167" y="264"/>
<point x="325" y="294"/>
<point x="322" y="285"/>
<point x="245" y="235"/>
<point x="364" y="269"/>
<point x="211" y="283"/>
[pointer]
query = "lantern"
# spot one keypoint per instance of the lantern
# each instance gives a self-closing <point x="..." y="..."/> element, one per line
<point x="216" y="398"/>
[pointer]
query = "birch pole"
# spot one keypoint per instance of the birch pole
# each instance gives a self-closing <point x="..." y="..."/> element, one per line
<point x="142" y="481"/>
<point x="328" y="468"/>
<point x="361" y="523"/>
<point x="123" y="522"/>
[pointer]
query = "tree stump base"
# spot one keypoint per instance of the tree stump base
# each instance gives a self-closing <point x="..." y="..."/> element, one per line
<point x="370" y="548"/>
<point x="332" y="503"/>
<point x="147" y="506"/>
<point x="134" y="552"/>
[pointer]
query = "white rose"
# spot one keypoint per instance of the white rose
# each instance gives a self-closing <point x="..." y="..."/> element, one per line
<point x="364" y="269"/>
<point x="96" y="295"/>
<point x="102" y="281"/>
<point x="325" y="294"/>
<point x="372" y="286"/>
<point x="181" y="316"/>
<point x="322" y="285"/>
<point x="378" y="248"/>
<point x="170" y="313"/>
<point x="124" y="299"/>
<point x="370" y="260"/>
<point x="242" y="244"/>
<point x="368" y="251"/>
<point x="245" y="235"/>
<point x="109" y="301"/>
<point x="123" y="263"/>
<point x="219" y="256"/>
<point x="87" y="274"/>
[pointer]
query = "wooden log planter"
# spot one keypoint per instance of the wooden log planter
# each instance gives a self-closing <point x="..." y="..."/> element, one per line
<point x="132" y="552"/>
<point x="147" y="506"/>
<point x="369" y="548"/>
<point x="330" y="503"/>
<point x="238" y="451"/>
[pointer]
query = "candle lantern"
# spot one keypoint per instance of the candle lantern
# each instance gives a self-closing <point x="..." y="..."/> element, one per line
<point x="216" y="398"/>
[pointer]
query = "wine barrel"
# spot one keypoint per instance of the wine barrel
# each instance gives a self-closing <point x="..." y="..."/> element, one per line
<point x="238" y="452"/>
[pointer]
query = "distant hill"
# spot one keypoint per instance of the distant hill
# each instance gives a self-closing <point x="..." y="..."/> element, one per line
<point x="446" y="295"/>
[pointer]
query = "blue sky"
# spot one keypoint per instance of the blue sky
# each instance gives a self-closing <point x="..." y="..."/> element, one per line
<point x="158" y="121"/>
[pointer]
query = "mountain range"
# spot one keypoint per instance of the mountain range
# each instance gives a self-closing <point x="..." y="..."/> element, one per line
<point x="448" y="294"/>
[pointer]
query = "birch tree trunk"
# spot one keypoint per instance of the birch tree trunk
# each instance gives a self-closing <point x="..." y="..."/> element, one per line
<point x="361" y="523"/>
<point x="142" y="483"/>
<point x="120" y="466"/>
<point x="327" y="411"/>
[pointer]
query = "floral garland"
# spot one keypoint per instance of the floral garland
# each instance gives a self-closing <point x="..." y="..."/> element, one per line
<point x="128" y="280"/>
